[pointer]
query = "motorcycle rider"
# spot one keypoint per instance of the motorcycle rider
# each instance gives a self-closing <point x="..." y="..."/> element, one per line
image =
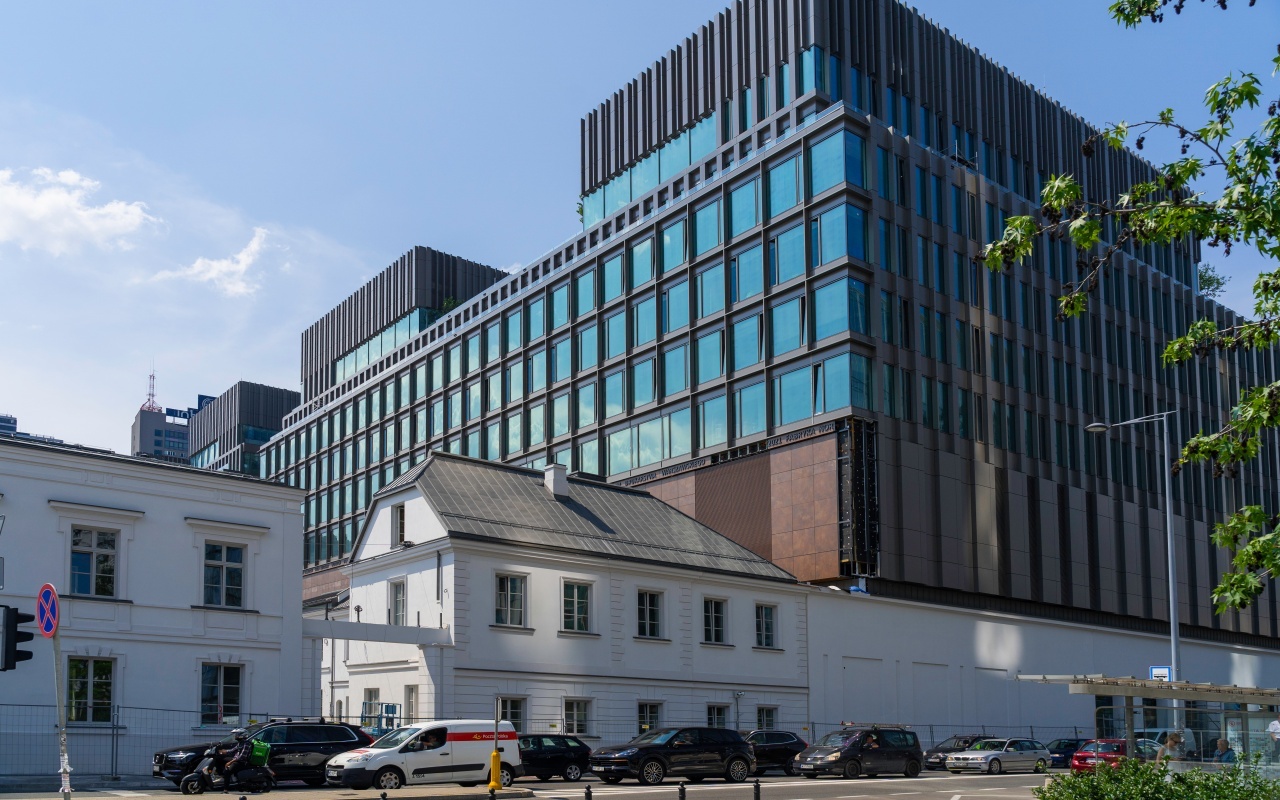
<point x="237" y="758"/>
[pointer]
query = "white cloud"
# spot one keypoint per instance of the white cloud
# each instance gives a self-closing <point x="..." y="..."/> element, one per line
<point x="50" y="211"/>
<point x="229" y="275"/>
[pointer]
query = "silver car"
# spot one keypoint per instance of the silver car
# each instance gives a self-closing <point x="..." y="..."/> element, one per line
<point x="994" y="756"/>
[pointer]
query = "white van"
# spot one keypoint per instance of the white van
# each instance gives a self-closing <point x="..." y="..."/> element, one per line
<point x="447" y="751"/>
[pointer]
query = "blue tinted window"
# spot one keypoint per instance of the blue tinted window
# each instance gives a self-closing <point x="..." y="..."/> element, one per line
<point x="537" y="424"/>
<point x="612" y="277"/>
<point x="841" y="231"/>
<point x="617" y="193"/>
<point x="792" y="397"/>
<point x="675" y="370"/>
<point x="560" y="415"/>
<point x="515" y="434"/>
<point x="562" y="360"/>
<point x="641" y="263"/>
<point x="675" y="307"/>
<point x="788" y="255"/>
<point x="678" y="427"/>
<point x="620" y="451"/>
<point x="836" y="159"/>
<point x="673" y="246"/>
<point x="783" y="85"/>
<point x="646" y="321"/>
<point x="706" y="228"/>
<point x="493" y="441"/>
<point x="644" y="176"/>
<point x="586" y="290"/>
<point x="515" y="331"/>
<point x="711" y="291"/>
<point x="674" y="157"/>
<point x="744" y="208"/>
<point x="537" y="319"/>
<point x="586" y="404"/>
<point x="830" y="310"/>
<point x="588" y="347"/>
<point x="614" y="395"/>
<point x="748" y="273"/>
<point x="615" y="335"/>
<point x="713" y="425"/>
<point x="702" y="138"/>
<point x="642" y="382"/>
<point x="710" y="356"/>
<point x="515" y="381"/>
<point x="746" y="342"/>
<point x="538" y="371"/>
<point x="788" y="328"/>
<point x="784" y="186"/>
<point x="749" y="410"/>
<point x="832" y="384"/>
<point x="592" y="208"/>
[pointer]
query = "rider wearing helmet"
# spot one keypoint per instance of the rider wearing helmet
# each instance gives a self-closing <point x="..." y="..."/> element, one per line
<point x="238" y="756"/>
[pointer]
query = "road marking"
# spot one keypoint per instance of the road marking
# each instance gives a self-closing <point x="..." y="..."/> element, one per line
<point x="129" y="794"/>
<point x="955" y="797"/>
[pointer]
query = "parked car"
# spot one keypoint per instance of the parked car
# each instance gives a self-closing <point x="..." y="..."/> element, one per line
<point x="692" y="753"/>
<point x="936" y="757"/>
<point x="775" y="750"/>
<point x="545" y="756"/>
<point x="1108" y="752"/>
<point x="851" y="752"/>
<point x="994" y="756"/>
<point x="299" y="749"/>
<point x="1061" y="751"/>
<point x="442" y="751"/>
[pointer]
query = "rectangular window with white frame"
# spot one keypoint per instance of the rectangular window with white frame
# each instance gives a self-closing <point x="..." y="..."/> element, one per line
<point x="717" y="716"/>
<point x="371" y="710"/>
<point x="397" y="518"/>
<point x="649" y="614"/>
<point x="224" y="575"/>
<point x="766" y="626"/>
<point x="648" y="716"/>
<point x="93" y="562"/>
<point x="396" y="603"/>
<point x="220" y="694"/>
<point x="409" y="712"/>
<point x="90" y="688"/>
<point x="577" y="607"/>
<point x="713" y="620"/>
<point x="766" y="718"/>
<point x="577" y="717"/>
<point x="509" y="603"/>
<point x="512" y="710"/>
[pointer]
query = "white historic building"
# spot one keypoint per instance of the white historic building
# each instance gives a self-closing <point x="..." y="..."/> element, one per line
<point x="180" y="604"/>
<point x="596" y="609"/>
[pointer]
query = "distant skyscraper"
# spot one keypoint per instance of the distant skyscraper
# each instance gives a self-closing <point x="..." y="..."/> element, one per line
<point x="8" y="424"/>
<point x="162" y="432"/>
<point x="226" y="433"/>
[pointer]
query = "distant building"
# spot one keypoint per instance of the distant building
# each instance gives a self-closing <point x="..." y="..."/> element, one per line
<point x="9" y="427"/>
<point x="226" y="433"/>
<point x="159" y="435"/>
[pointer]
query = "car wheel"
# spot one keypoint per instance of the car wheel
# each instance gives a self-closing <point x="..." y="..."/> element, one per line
<point x="506" y="775"/>
<point x="994" y="767"/>
<point x="913" y="769"/>
<point x="852" y="768"/>
<point x="789" y="769"/>
<point x="611" y="778"/>
<point x="388" y="778"/>
<point x="1041" y="766"/>
<point x="314" y="781"/>
<point x="191" y="785"/>
<point x="737" y="770"/>
<point x="572" y="772"/>
<point x="652" y="772"/>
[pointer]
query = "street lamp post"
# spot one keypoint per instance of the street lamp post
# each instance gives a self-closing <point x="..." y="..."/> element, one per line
<point x="1174" y="642"/>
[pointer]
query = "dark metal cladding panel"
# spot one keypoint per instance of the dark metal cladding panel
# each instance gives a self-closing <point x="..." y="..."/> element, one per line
<point x="734" y="498"/>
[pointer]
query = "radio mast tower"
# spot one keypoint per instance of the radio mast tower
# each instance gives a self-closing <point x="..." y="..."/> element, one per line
<point x="150" y="405"/>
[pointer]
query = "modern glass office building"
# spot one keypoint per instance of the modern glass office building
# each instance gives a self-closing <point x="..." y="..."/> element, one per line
<point x="773" y="320"/>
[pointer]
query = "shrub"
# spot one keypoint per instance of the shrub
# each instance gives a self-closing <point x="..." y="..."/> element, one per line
<point x="1135" y="780"/>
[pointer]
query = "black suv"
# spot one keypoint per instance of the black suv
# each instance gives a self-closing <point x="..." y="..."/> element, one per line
<point x="936" y="757"/>
<point x="775" y="750"/>
<point x="298" y="749"/>
<point x="544" y="756"/>
<point x="851" y="752"/>
<point x="692" y="753"/>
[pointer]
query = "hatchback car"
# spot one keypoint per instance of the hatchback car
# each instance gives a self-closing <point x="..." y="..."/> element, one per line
<point x="936" y="757"/>
<point x="1108" y="752"/>
<point x="994" y="756"/>
<point x="545" y="756"/>
<point x="775" y="750"/>
<point x="1062" y="750"/>
<point x="850" y="752"/>
<point x="692" y="753"/>
<point x="299" y="749"/>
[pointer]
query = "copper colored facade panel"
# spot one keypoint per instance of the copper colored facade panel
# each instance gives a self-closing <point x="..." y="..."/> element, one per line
<point x="734" y="498"/>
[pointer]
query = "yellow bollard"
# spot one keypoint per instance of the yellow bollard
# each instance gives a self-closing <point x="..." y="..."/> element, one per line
<point x="495" y="769"/>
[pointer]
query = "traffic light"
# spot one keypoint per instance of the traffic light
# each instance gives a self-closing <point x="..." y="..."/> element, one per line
<point x="11" y="637"/>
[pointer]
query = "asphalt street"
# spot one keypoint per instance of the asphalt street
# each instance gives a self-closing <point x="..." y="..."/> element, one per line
<point x="929" y="786"/>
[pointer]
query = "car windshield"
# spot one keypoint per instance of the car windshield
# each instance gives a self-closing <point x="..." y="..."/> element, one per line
<point x="954" y="741"/>
<point x="988" y="744"/>
<point x="396" y="738"/>
<point x="838" y="738"/>
<point x="1064" y="744"/>
<point x="660" y="736"/>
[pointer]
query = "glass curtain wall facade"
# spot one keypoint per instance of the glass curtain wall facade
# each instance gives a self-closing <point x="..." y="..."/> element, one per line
<point x="818" y="264"/>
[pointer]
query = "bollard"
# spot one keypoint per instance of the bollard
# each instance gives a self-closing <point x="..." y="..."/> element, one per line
<point x="586" y="792"/>
<point x="755" y="790"/>
<point x="681" y="789"/>
<point x="492" y="793"/>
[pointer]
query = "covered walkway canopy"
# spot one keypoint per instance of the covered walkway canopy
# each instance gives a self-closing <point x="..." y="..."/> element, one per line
<point x="1160" y="690"/>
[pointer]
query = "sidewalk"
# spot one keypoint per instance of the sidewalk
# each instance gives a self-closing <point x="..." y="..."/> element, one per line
<point x="35" y="786"/>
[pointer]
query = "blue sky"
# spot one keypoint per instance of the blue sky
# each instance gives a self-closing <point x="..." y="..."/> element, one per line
<point x="193" y="184"/>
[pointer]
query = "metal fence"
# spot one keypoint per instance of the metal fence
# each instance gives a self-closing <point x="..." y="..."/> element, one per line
<point x="123" y="746"/>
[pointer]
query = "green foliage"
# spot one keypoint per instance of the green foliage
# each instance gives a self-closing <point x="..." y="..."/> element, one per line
<point x="448" y="305"/>
<point x="1135" y="780"/>
<point x="1173" y="207"/>
<point x="1211" y="282"/>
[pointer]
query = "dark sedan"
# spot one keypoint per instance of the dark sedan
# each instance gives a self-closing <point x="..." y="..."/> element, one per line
<point x="775" y="750"/>
<point x="691" y="753"/>
<point x="1063" y="749"/>
<point x="936" y="757"/>
<point x="545" y="756"/>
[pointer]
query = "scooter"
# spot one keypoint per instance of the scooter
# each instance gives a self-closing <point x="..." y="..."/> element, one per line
<point x="208" y="778"/>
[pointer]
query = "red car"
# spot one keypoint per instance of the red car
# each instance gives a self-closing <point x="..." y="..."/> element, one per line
<point x="1109" y="752"/>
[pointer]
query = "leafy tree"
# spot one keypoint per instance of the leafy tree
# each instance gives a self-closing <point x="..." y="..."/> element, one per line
<point x="1171" y="207"/>
<point x="1211" y="282"/>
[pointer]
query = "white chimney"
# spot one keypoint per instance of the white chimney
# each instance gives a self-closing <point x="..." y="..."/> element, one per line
<point x="556" y="478"/>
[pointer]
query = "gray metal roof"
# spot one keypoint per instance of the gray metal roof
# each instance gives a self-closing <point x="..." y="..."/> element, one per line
<point x="485" y="500"/>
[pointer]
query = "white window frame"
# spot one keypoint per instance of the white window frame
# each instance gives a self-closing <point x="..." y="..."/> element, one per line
<point x="577" y="721"/>
<point x="243" y="566"/>
<point x="658" y="622"/>
<point x="226" y="533"/>
<point x="655" y="722"/>
<point x="398" y="616"/>
<point x="589" y="614"/>
<point x="772" y="712"/>
<point x="89" y="705"/>
<point x="724" y="620"/>
<point x="122" y="521"/>
<point x="409" y="711"/>
<point x="507" y="703"/>
<point x="236" y="719"/>
<point x="720" y="710"/>
<point x="94" y="551"/>
<point x="524" y="599"/>
<point x="767" y="638"/>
